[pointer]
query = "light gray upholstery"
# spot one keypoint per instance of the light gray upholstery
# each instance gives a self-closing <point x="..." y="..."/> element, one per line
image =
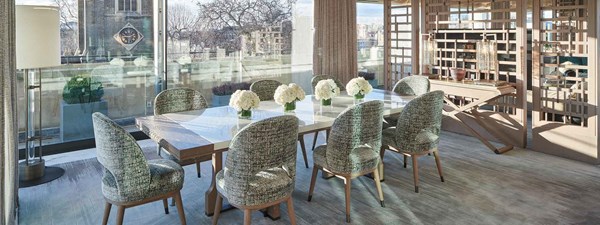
<point x="265" y="89"/>
<point x="355" y="140"/>
<point x="418" y="126"/>
<point x="315" y="80"/>
<point x="408" y="86"/>
<point x="178" y="100"/>
<point x="128" y="177"/>
<point x="261" y="162"/>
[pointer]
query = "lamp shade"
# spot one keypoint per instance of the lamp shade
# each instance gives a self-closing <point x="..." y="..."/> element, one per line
<point x="38" y="36"/>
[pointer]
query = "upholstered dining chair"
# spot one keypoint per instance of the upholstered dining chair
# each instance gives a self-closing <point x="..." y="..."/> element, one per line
<point x="409" y="86"/>
<point x="129" y="180"/>
<point x="179" y="100"/>
<point x="314" y="81"/>
<point x="417" y="132"/>
<point x="353" y="148"/>
<point x="265" y="89"/>
<point x="260" y="168"/>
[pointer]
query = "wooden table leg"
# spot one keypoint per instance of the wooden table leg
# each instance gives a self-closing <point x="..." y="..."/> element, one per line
<point x="210" y="197"/>
<point x="482" y="139"/>
<point x="272" y="212"/>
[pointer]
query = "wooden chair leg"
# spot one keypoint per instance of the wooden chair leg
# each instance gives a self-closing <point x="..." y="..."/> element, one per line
<point x="415" y="172"/>
<point x="120" y="215"/>
<point x="302" y="146"/>
<point x="347" y="182"/>
<point x="173" y="201"/>
<point x="315" y="140"/>
<point x="291" y="213"/>
<point x="247" y="216"/>
<point x="218" y="208"/>
<point x="436" y="154"/>
<point x="405" y="160"/>
<point x="381" y="166"/>
<point x="180" y="208"/>
<point x="107" y="207"/>
<point x="313" y="180"/>
<point x="198" y="169"/>
<point x="166" y="205"/>
<point x="378" y="185"/>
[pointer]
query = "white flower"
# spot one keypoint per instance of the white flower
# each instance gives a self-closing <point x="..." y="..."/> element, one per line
<point x="117" y="62"/>
<point x="358" y="85"/>
<point x="326" y="89"/>
<point x="184" y="60"/>
<point x="244" y="100"/>
<point x="288" y="93"/>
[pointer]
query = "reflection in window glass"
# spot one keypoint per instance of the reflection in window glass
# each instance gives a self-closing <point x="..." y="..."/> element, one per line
<point x="370" y="40"/>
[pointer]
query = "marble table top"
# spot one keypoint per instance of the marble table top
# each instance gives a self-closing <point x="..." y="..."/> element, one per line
<point x="201" y="132"/>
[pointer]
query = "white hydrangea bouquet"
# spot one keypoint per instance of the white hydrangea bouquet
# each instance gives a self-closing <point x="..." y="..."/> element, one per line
<point x="358" y="87"/>
<point x="325" y="90"/>
<point x="243" y="101"/>
<point x="287" y="95"/>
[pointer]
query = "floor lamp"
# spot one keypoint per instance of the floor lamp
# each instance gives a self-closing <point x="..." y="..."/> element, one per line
<point x="37" y="47"/>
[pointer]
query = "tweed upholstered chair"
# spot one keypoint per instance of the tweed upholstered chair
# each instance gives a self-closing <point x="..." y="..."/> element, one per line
<point x="260" y="169"/>
<point x="353" y="148"/>
<point x="314" y="81"/>
<point x="409" y="86"/>
<point x="417" y="132"/>
<point x="179" y="100"/>
<point x="129" y="180"/>
<point x="265" y="89"/>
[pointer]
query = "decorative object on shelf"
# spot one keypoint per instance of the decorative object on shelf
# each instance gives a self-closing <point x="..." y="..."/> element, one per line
<point x="37" y="46"/>
<point x="243" y="101"/>
<point x="429" y="55"/>
<point x="487" y="57"/>
<point x="358" y="87"/>
<point x="82" y="96"/>
<point x="222" y="93"/>
<point x="457" y="74"/>
<point x="287" y="95"/>
<point x="325" y="90"/>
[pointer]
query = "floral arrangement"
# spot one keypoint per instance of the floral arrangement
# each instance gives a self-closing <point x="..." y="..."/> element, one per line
<point x="82" y="89"/>
<point x="358" y="87"/>
<point x="287" y="95"/>
<point x="325" y="90"/>
<point x="243" y="101"/>
<point x="230" y="88"/>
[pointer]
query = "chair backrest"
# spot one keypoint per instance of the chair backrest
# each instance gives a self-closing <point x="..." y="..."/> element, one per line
<point x="265" y="89"/>
<point x="178" y="100"/>
<point x="262" y="145"/>
<point x="412" y="85"/>
<point x="358" y="126"/>
<point x="420" y="122"/>
<point x="121" y="157"/>
<point x="315" y="80"/>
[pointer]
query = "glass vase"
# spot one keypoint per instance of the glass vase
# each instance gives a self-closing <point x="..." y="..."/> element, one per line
<point x="326" y="102"/>
<point x="290" y="106"/>
<point x="359" y="96"/>
<point x="245" y="114"/>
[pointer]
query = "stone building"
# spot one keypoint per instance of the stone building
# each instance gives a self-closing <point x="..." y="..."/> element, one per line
<point x="115" y="28"/>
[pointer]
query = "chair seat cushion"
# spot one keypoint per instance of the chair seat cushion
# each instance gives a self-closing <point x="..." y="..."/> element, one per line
<point x="362" y="160"/>
<point x="165" y="176"/>
<point x="266" y="186"/>
<point x="424" y="141"/>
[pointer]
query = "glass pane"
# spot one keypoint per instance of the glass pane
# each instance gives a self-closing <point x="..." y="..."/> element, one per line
<point x="370" y="38"/>
<point x="107" y="66"/>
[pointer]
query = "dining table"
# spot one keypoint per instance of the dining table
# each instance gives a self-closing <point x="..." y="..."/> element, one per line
<point x="208" y="132"/>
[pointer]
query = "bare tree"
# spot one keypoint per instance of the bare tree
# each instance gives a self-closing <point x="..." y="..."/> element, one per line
<point x="226" y="20"/>
<point x="69" y="30"/>
<point x="180" y="19"/>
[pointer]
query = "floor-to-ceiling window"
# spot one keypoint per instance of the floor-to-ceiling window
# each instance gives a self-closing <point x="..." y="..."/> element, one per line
<point x="107" y="56"/>
<point x="370" y="41"/>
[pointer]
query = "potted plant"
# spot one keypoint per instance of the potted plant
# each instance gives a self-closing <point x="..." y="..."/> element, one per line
<point x="81" y="97"/>
<point x="222" y="93"/>
<point x="370" y="77"/>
